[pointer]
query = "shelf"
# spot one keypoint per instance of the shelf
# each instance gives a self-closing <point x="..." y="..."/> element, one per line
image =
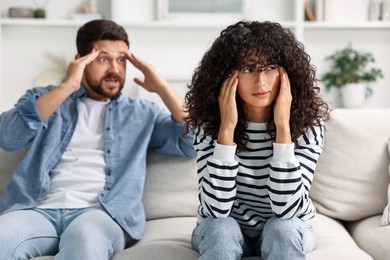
<point x="172" y="24"/>
<point x="167" y="24"/>
<point x="347" y="25"/>
<point x="40" y="22"/>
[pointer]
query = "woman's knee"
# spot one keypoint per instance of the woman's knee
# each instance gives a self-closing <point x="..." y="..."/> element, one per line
<point x="295" y="236"/>
<point x="218" y="229"/>
<point x="218" y="238"/>
<point x="283" y="227"/>
<point x="221" y="228"/>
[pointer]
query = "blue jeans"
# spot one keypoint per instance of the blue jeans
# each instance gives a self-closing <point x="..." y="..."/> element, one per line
<point x="221" y="238"/>
<point x="76" y="234"/>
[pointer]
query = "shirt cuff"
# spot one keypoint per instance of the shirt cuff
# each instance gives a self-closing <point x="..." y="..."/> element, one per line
<point x="283" y="152"/>
<point x="225" y="153"/>
<point x="30" y="114"/>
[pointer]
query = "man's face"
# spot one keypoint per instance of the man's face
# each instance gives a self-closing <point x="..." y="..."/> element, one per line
<point x="105" y="76"/>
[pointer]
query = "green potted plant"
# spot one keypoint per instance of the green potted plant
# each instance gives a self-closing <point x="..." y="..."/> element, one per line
<point x="350" y="73"/>
<point x="40" y="11"/>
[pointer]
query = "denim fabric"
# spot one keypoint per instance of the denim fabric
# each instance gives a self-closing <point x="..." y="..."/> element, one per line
<point x="222" y="238"/>
<point x="131" y="128"/>
<point x="85" y="234"/>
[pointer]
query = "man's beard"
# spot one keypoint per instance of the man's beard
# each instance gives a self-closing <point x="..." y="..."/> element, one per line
<point x="96" y="86"/>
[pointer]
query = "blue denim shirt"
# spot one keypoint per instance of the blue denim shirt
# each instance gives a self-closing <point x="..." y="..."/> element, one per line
<point x="131" y="128"/>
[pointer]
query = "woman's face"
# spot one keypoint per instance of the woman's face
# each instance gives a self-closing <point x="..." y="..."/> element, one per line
<point x="258" y="87"/>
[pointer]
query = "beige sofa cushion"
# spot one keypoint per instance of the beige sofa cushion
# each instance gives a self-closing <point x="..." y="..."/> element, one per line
<point x="8" y="162"/>
<point x="170" y="238"/>
<point x="333" y="241"/>
<point x="371" y="237"/>
<point x="385" y="220"/>
<point x="171" y="188"/>
<point x="167" y="238"/>
<point x="352" y="178"/>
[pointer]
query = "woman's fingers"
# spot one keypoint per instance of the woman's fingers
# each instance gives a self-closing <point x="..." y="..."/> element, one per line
<point x="229" y="87"/>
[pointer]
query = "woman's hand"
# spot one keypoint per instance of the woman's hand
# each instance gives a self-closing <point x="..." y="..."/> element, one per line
<point x="282" y="109"/>
<point x="228" y="110"/>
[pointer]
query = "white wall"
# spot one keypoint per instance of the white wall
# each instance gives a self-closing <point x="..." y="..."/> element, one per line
<point x="29" y="54"/>
<point x="372" y="40"/>
<point x="28" y="51"/>
<point x="174" y="53"/>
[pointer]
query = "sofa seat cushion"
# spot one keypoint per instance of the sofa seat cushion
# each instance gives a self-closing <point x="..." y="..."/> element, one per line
<point x="157" y="250"/>
<point x="178" y="230"/>
<point x="167" y="238"/>
<point x="333" y="241"/>
<point x="371" y="236"/>
<point x="170" y="238"/>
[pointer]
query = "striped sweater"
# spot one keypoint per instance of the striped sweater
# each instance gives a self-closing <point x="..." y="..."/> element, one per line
<point x="270" y="180"/>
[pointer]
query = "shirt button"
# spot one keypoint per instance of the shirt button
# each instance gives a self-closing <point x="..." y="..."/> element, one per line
<point x="108" y="151"/>
<point x="108" y="173"/>
<point x="108" y="128"/>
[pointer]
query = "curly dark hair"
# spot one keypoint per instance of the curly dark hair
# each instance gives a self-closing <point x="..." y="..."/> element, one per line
<point x="231" y="52"/>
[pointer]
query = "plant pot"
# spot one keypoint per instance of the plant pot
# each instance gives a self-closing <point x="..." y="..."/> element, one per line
<point x="39" y="13"/>
<point x="353" y="95"/>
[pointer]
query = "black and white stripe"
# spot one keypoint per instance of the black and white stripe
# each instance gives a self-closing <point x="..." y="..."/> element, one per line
<point x="254" y="187"/>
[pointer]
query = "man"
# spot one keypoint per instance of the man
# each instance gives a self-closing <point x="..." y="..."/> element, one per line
<point x="77" y="192"/>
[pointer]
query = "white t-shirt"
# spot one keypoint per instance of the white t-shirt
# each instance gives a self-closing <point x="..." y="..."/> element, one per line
<point x="79" y="175"/>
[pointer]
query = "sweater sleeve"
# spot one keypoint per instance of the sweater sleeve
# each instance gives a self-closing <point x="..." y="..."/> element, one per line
<point x="291" y="174"/>
<point x="217" y="170"/>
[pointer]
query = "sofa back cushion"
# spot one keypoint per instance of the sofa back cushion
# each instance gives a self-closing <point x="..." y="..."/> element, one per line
<point x="171" y="188"/>
<point x="351" y="179"/>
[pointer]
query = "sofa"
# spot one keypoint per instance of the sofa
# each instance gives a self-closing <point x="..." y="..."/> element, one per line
<point x="350" y="191"/>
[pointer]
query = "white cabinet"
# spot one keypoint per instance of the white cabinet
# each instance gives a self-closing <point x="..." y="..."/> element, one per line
<point x="30" y="47"/>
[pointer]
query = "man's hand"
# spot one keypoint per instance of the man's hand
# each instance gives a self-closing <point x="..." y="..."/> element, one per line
<point x="154" y="82"/>
<point x="75" y="71"/>
<point x="49" y="102"/>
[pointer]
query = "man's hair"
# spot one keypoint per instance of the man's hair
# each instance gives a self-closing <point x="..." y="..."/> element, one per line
<point x="97" y="30"/>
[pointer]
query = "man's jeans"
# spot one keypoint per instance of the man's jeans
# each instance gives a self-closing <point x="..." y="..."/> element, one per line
<point x="221" y="238"/>
<point x="76" y="234"/>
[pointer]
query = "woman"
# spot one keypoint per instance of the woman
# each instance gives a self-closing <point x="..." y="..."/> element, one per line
<point x="255" y="105"/>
